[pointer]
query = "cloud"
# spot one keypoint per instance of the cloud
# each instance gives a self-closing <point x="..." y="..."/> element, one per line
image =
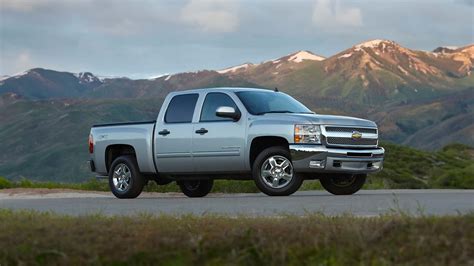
<point x="466" y="2"/>
<point x="122" y="37"/>
<point x="109" y="17"/>
<point x="32" y="5"/>
<point x="211" y="15"/>
<point x="331" y="14"/>
<point x="24" y="60"/>
<point x="20" y="5"/>
<point x="19" y="62"/>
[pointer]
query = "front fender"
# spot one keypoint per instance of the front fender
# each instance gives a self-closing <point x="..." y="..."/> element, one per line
<point x="268" y="128"/>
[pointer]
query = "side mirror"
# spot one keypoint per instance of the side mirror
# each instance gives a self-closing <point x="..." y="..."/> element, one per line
<point x="228" y="112"/>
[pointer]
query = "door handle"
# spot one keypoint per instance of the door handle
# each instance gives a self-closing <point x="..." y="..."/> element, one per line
<point x="202" y="131"/>
<point x="164" y="132"/>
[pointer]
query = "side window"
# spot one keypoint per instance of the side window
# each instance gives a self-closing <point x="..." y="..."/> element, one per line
<point x="213" y="101"/>
<point x="181" y="108"/>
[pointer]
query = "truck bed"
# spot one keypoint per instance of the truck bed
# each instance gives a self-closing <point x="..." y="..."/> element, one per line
<point x="136" y="135"/>
<point x="124" y="123"/>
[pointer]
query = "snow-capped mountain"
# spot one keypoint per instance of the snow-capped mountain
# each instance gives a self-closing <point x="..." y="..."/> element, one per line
<point x="374" y="72"/>
<point x="4" y="77"/>
<point x="445" y="49"/>
<point x="383" y="69"/>
<point x="235" y="68"/>
<point x="463" y="58"/>
<point x="381" y="55"/>
<point x="301" y="56"/>
<point x="87" y="78"/>
<point x="286" y="61"/>
<point x="41" y="83"/>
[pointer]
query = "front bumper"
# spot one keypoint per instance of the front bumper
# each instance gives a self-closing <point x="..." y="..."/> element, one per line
<point x="320" y="159"/>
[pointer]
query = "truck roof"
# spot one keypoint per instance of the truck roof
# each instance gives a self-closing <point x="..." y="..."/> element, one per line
<point x="219" y="89"/>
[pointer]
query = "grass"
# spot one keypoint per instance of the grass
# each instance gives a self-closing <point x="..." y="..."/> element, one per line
<point x="45" y="238"/>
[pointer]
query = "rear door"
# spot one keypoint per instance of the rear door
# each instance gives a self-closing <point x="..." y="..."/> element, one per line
<point x="220" y="148"/>
<point x="173" y="135"/>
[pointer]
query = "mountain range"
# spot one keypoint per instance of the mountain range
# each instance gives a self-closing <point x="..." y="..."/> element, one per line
<point x="418" y="98"/>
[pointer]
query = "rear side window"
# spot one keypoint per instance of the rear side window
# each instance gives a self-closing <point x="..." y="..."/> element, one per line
<point x="181" y="108"/>
<point x="213" y="101"/>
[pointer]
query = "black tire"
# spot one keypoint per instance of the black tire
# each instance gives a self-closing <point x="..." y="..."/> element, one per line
<point x="162" y="180"/>
<point x="343" y="184"/>
<point x="136" y="180"/>
<point x="289" y="188"/>
<point x="196" y="188"/>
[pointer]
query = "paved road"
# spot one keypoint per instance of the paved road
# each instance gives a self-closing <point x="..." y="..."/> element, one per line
<point x="364" y="203"/>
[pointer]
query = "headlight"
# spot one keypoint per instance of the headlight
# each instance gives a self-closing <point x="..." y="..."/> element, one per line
<point x="308" y="134"/>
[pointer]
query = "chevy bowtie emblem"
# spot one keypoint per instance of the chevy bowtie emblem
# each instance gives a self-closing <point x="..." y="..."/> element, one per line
<point x="356" y="135"/>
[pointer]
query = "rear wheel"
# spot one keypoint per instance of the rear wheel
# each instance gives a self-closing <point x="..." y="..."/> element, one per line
<point x="162" y="180"/>
<point x="343" y="184"/>
<point x="125" y="181"/>
<point x="196" y="188"/>
<point x="273" y="172"/>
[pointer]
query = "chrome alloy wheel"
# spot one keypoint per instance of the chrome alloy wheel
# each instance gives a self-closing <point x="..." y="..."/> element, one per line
<point x="122" y="177"/>
<point x="276" y="171"/>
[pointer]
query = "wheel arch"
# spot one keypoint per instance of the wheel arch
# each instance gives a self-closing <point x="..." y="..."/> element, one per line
<point x="114" y="151"/>
<point x="260" y="143"/>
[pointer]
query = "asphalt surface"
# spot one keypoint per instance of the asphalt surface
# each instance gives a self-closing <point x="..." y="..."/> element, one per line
<point x="364" y="203"/>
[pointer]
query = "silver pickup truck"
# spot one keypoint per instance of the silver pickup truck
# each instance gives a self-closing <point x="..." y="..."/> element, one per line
<point x="236" y="133"/>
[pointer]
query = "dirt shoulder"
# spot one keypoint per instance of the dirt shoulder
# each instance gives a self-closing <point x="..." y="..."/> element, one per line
<point x="34" y="193"/>
<point x="29" y="193"/>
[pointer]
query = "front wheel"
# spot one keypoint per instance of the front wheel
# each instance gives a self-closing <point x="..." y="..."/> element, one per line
<point x="274" y="174"/>
<point x="196" y="188"/>
<point x="343" y="184"/>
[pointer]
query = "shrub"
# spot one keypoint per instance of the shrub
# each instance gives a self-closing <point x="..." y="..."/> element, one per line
<point x="25" y="183"/>
<point x="5" y="183"/>
<point x="457" y="178"/>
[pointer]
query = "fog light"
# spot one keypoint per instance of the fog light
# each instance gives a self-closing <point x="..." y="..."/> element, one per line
<point x="376" y="165"/>
<point x="316" y="164"/>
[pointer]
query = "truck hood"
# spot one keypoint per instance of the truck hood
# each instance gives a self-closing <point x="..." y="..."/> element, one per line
<point x="323" y="119"/>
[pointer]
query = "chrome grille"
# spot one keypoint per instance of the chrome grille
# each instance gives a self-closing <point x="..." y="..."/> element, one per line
<point x="351" y="129"/>
<point x="343" y="136"/>
<point x="350" y="141"/>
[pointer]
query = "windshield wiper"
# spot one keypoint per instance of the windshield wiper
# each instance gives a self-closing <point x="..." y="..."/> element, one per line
<point x="275" y="112"/>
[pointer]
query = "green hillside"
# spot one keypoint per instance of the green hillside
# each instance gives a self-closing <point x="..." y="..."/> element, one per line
<point x="429" y="124"/>
<point x="405" y="167"/>
<point x="47" y="140"/>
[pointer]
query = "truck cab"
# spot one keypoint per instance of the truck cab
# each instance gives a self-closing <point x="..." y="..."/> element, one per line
<point x="236" y="133"/>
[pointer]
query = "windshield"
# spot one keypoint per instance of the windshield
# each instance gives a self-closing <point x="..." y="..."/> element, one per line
<point x="261" y="102"/>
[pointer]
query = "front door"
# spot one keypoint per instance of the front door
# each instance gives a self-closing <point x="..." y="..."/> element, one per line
<point x="218" y="142"/>
<point x="173" y="141"/>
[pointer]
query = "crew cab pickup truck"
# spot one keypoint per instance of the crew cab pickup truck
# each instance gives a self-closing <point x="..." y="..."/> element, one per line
<point x="236" y="133"/>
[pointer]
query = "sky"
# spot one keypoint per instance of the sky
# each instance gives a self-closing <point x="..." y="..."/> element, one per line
<point x="150" y="38"/>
